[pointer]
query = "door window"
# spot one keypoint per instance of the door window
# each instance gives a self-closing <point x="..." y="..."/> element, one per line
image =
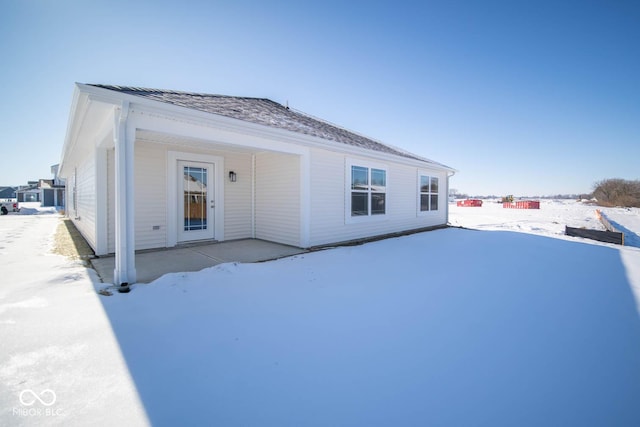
<point x="195" y="198"/>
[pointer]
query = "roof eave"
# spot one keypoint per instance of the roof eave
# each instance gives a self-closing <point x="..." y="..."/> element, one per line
<point x="69" y="140"/>
<point x="116" y="97"/>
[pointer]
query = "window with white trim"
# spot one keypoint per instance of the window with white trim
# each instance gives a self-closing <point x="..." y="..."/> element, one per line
<point x="368" y="191"/>
<point x="428" y="188"/>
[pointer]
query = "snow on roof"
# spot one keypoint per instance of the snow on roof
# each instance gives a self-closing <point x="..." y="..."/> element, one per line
<point x="265" y="112"/>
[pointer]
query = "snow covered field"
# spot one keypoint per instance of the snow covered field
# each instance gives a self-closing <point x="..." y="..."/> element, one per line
<point x="549" y="220"/>
<point x="451" y="327"/>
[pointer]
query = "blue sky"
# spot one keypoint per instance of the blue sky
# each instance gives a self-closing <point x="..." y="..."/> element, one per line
<point x="526" y="98"/>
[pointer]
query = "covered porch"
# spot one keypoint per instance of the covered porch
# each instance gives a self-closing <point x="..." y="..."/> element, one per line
<point x="151" y="264"/>
<point x="247" y="190"/>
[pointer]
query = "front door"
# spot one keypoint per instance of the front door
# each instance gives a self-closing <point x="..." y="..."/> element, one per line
<point x="196" y="201"/>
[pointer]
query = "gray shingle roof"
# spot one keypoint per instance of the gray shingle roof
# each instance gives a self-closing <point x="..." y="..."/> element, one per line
<point x="264" y="112"/>
<point x="7" y="192"/>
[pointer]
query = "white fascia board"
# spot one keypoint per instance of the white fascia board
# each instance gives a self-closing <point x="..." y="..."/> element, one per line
<point x="82" y="107"/>
<point x="105" y="96"/>
<point x="79" y="106"/>
<point x="202" y="118"/>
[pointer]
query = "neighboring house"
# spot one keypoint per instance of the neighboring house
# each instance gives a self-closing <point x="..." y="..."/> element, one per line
<point x="150" y="168"/>
<point x="28" y="193"/>
<point x="53" y="194"/>
<point x="49" y="192"/>
<point x="8" y="194"/>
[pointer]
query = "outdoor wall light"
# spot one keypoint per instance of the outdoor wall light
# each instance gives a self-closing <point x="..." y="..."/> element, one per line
<point x="232" y="176"/>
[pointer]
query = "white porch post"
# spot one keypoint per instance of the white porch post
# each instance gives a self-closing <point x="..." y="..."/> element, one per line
<point x="124" y="273"/>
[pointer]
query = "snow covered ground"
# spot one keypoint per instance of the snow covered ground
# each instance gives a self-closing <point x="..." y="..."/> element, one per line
<point x="56" y="342"/>
<point x="452" y="327"/>
<point x="33" y="208"/>
<point x="549" y="220"/>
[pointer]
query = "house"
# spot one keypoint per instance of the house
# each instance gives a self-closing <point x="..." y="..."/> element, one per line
<point x="8" y="194"/>
<point x="53" y="192"/>
<point x="149" y="168"/>
<point x="49" y="192"/>
<point x="28" y="193"/>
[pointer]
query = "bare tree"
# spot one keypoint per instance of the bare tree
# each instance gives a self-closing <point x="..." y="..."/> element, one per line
<point x="617" y="192"/>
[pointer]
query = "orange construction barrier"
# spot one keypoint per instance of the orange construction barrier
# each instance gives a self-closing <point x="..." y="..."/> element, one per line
<point x="470" y="203"/>
<point x="523" y="204"/>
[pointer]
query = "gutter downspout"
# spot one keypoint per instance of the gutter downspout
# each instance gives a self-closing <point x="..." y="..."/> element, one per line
<point x="125" y="271"/>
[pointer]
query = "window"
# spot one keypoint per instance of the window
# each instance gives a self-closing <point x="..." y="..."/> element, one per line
<point x="368" y="191"/>
<point x="428" y="193"/>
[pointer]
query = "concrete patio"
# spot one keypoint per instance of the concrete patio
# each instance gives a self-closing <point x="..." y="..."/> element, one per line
<point x="150" y="265"/>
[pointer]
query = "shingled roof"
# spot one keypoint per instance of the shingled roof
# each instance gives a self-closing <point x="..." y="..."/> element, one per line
<point x="264" y="112"/>
<point x="7" y="192"/>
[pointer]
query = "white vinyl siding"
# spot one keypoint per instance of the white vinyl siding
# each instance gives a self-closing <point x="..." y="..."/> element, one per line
<point x="327" y="197"/>
<point x="84" y="217"/>
<point x="237" y="196"/>
<point x="329" y="183"/>
<point x="277" y="213"/>
<point x="150" y="196"/>
<point x="277" y="197"/>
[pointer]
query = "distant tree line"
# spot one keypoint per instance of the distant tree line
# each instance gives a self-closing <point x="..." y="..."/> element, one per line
<point x="617" y="192"/>
<point x="608" y="192"/>
<point x="458" y="195"/>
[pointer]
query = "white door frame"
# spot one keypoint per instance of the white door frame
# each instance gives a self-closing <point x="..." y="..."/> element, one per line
<point x="173" y="157"/>
<point x="208" y="233"/>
